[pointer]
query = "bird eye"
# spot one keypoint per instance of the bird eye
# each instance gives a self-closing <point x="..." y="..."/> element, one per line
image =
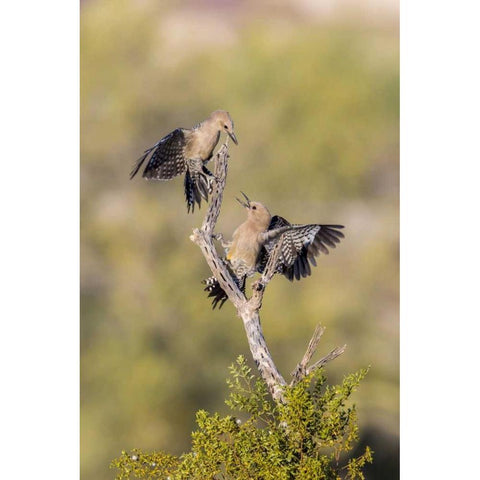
<point x="226" y="127"/>
<point x="254" y="207"/>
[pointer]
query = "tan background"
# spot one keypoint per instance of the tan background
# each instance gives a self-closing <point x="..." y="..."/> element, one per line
<point x="313" y="90"/>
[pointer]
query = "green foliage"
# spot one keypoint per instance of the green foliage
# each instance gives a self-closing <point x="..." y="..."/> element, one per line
<point x="308" y="437"/>
<point x="316" y="111"/>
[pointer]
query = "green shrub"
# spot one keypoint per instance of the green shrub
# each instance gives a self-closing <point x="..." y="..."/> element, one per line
<point x="306" y="438"/>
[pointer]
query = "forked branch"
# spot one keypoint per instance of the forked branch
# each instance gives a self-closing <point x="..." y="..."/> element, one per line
<point x="249" y="310"/>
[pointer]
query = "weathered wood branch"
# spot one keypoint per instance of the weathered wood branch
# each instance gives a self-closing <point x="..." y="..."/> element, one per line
<point x="301" y="369"/>
<point x="336" y="352"/>
<point x="249" y="310"/>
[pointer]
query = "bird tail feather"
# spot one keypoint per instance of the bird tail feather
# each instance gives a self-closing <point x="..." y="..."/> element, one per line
<point x="218" y="294"/>
<point x="197" y="186"/>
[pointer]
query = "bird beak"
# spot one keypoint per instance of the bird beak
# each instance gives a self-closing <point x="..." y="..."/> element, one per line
<point x="233" y="137"/>
<point x="246" y="205"/>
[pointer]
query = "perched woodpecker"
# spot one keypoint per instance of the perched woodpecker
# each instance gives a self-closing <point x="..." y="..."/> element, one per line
<point x="187" y="151"/>
<point x="254" y="240"/>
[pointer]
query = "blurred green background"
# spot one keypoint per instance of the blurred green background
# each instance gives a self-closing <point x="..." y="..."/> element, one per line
<point x="313" y="88"/>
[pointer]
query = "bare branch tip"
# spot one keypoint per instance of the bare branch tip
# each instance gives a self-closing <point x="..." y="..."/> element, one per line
<point x="196" y="236"/>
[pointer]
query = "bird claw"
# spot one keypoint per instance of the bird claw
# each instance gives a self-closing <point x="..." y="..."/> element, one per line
<point x="225" y="245"/>
<point x="258" y="286"/>
<point x="212" y="180"/>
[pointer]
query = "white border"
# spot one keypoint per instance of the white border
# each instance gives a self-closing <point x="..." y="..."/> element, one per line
<point x="439" y="238"/>
<point x="39" y="198"/>
<point x="39" y="201"/>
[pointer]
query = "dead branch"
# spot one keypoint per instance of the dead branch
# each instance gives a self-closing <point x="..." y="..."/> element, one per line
<point x="249" y="310"/>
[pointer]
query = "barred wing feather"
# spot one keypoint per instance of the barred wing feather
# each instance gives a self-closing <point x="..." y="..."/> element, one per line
<point x="167" y="158"/>
<point x="300" y="246"/>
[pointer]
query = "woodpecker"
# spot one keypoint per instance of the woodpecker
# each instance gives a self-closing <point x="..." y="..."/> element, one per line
<point x="188" y="151"/>
<point x="254" y="240"/>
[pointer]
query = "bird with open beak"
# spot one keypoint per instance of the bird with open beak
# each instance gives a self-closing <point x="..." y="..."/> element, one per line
<point x="254" y="240"/>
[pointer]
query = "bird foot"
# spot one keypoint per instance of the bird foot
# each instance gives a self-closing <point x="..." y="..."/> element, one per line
<point x="219" y="237"/>
<point x="258" y="286"/>
<point x="212" y="180"/>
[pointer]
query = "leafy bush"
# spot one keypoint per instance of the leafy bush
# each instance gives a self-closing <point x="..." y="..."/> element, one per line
<point x="306" y="438"/>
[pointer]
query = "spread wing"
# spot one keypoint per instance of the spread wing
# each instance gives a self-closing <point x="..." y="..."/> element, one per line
<point x="300" y="246"/>
<point x="167" y="157"/>
<point x="275" y="222"/>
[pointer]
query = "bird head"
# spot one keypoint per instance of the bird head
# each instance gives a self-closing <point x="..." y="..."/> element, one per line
<point x="257" y="212"/>
<point x="224" y="123"/>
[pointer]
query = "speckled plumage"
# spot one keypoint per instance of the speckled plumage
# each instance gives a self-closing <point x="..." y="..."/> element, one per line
<point x="187" y="151"/>
<point x="300" y="246"/>
<point x="254" y="240"/>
